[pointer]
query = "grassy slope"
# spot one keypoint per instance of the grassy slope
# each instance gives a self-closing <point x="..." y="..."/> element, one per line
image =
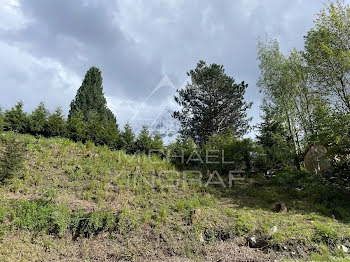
<point x="76" y="202"/>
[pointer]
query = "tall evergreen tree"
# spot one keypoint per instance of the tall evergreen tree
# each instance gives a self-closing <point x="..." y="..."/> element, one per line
<point x="56" y="124"/>
<point x="157" y="144"/>
<point x="38" y="120"/>
<point x="90" y="97"/>
<point x="1" y="120"/>
<point x="212" y="103"/>
<point x="16" y="119"/>
<point x="275" y="141"/>
<point x="77" y="127"/>
<point x="90" y="106"/>
<point x="144" y="141"/>
<point x="128" y="139"/>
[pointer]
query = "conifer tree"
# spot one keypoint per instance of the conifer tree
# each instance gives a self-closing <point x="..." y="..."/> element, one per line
<point x="128" y="139"/>
<point x="16" y="119"/>
<point x="211" y="103"/>
<point x="12" y="152"/>
<point x="144" y="141"/>
<point x="90" y="97"/>
<point x="90" y="106"/>
<point x="38" y="120"/>
<point x="77" y="127"/>
<point x="56" y="124"/>
<point x="157" y="144"/>
<point x="275" y="141"/>
<point x="1" y="120"/>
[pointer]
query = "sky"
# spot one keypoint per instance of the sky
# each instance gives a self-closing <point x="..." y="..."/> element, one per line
<point x="143" y="48"/>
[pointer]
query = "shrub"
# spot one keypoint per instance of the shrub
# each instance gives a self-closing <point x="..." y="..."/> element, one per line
<point x="326" y="233"/>
<point x="12" y="153"/>
<point x="90" y="224"/>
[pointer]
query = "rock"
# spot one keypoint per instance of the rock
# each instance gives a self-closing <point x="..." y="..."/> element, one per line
<point x="195" y="215"/>
<point x="252" y="241"/>
<point x="201" y="238"/>
<point x="344" y="248"/>
<point x="281" y="208"/>
<point x="316" y="160"/>
<point x="273" y="229"/>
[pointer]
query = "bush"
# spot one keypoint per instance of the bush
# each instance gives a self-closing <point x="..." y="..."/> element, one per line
<point x="326" y="233"/>
<point x="12" y="153"/>
<point x="232" y="153"/>
<point x="180" y="151"/>
<point x="297" y="178"/>
<point x="41" y="216"/>
<point x="90" y="224"/>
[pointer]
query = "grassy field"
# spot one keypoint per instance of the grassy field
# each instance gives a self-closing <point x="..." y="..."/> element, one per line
<point x="77" y="202"/>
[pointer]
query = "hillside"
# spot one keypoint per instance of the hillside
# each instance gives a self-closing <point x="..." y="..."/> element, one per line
<point x="76" y="202"/>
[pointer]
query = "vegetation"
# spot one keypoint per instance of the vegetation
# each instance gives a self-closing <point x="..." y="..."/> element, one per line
<point x="87" y="201"/>
<point x="212" y="103"/>
<point x="12" y="153"/>
<point x="78" y="189"/>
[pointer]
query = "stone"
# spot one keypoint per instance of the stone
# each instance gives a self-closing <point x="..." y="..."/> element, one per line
<point x="316" y="160"/>
<point x="273" y="229"/>
<point x="344" y="248"/>
<point x="281" y="208"/>
<point x="196" y="215"/>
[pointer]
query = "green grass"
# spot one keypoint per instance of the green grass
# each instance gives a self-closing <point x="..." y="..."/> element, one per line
<point x="72" y="194"/>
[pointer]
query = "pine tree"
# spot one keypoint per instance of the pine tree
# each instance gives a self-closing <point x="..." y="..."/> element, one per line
<point x="12" y="153"/>
<point x="90" y="97"/>
<point x="91" y="104"/>
<point x="212" y="103"/>
<point x="77" y="127"/>
<point x="38" y="120"/>
<point x="157" y="144"/>
<point x="1" y="120"/>
<point x="56" y="124"/>
<point x="144" y="141"/>
<point x="128" y="139"/>
<point x="274" y="139"/>
<point x="16" y="119"/>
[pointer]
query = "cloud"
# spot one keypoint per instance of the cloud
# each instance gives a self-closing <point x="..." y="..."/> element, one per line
<point x="46" y="46"/>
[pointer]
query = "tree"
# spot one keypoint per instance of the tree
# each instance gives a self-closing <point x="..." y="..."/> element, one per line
<point x="144" y="141"/>
<point x="56" y="124"/>
<point x="275" y="141"/>
<point x="327" y="52"/>
<point x="90" y="97"/>
<point x="212" y="103"/>
<point x="16" y="119"/>
<point x="278" y="83"/>
<point x="1" y="120"/>
<point x="91" y="105"/>
<point x="12" y="153"/>
<point x="157" y="144"/>
<point x="38" y="120"/>
<point x="77" y="127"/>
<point x="128" y="139"/>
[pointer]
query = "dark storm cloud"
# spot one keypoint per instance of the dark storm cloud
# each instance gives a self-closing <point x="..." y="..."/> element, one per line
<point x="136" y="43"/>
